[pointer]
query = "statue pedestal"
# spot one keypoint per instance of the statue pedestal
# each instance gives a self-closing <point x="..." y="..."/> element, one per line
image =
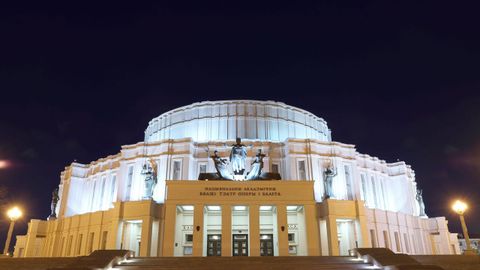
<point x="239" y="177"/>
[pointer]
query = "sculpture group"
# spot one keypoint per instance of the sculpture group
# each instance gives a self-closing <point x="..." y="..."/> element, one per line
<point x="234" y="167"/>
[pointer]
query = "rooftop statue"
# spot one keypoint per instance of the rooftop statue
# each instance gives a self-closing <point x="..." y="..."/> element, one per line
<point x="421" y="204"/>
<point x="238" y="157"/>
<point x="257" y="166"/>
<point x="53" y="205"/>
<point x="328" y="175"/>
<point x="150" y="173"/>
<point x="221" y="166"/>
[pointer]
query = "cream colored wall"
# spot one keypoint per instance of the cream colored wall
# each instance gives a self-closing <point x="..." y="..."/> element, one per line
<point x="424" y="235"/>
<point x="61" y="237"/>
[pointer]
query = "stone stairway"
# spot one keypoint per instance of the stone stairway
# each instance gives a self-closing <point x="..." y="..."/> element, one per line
<point x="364" y="258"/>
<point x="240" y="263"/>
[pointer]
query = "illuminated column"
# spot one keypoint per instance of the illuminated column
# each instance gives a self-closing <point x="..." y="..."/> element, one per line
<point x="332" y="234"/>
<point x="146" y="236"/>
<point x="226" y="230"/>
<point x="254" y="230"/>
<point x="115" y="229"/>
<point x="198" y="230"/>
<point x="362" y="221"/>
<point x="282" y="224"/>
<point x="168" y="229"/>
<point x="312" y="230"/>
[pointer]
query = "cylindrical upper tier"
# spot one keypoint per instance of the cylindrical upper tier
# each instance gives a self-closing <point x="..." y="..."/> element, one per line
<point x="229" y="119"/>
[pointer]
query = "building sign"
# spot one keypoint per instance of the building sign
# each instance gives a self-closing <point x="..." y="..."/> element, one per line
<point x="239" y="191"/>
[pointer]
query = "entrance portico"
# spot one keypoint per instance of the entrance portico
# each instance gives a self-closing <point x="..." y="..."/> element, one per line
<point x="247" y="218"/>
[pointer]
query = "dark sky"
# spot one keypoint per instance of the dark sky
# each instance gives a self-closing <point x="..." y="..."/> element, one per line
<point x="400" y="81"/>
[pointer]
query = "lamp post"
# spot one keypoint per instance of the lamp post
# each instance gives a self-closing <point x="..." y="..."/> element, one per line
<point x="460" y="207"/>
<point x="13" y="214"/>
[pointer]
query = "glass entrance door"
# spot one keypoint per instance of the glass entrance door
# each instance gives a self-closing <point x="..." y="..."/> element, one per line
<point x="240" y="245"/>
<point x="214" y="245"/>
<point x="266" y="245"/>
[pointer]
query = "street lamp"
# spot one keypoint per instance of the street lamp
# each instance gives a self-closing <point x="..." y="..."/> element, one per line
<point x="13" y="214"/>
<point x="460" y="207"/>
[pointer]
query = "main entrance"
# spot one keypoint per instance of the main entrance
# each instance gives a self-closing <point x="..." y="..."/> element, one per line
<point x="266" y="245"/>
<point x="214" y="245"/>
<point x="240" y="245"/>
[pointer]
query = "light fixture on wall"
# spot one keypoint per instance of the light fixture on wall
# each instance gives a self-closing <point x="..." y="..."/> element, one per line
<point x="239" y="208"/>
<point x="266" y="208"/>
<point x="214" y="208"/>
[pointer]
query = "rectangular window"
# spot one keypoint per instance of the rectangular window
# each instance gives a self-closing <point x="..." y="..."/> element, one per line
<point x="79" y="244"/>
<point x="113" y="195"/>
<point x="374" y="189"/>
<point x="397" y="242"/>
<point x="69" y="245"/>
<point x="92" y="202"/>
<point x="188" y="238"/>
<point x="129" y="183"/>
<point x="382" y="194"/>
<point x="291" y="238"/>
<point x="373" y="238"/>
<point x="302" y="174"/>
<point x="275" y="168"/>
<point x="102" y="192"/>
<point x="386" y="240"/>
<point x="104" y="240"/>
<point x="90" y="243"/>
<point x="363" y="190"/>
<point x="407" y="245"/>
<point x="177" y="169"/>
<point x="348" y="180"/>
<point x="187" y="250"/>
<point x="203" y="168"/>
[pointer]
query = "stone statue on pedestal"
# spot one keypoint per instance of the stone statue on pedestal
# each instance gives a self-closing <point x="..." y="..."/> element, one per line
<point x="150" y="173"/>
<point x="238" y="157"/>
<point x="328" y="175"/>
<point x="257" y="166"/>
<point x="421" y="204"/>
<point x="53" y="205"/>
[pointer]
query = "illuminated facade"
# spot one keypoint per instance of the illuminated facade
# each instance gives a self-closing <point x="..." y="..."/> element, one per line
<point x="102" y="205"/>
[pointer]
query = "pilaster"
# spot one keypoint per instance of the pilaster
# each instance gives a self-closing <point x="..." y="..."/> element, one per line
<point x="146" y="236"/>
<point x="226" y="230"/>
<point x="254" y="230"/>
<point x="282" y="224"/>
<point x="169" y="226"/>
<point x="198" y="230"/>
<point x="332" y="233"/>
<point x="312" y="230"/>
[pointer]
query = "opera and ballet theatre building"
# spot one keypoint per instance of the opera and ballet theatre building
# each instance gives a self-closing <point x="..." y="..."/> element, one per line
<point x="237" y="178"/>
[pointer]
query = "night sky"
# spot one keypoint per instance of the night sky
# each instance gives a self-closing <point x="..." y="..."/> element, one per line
<point x="400" y="81"/>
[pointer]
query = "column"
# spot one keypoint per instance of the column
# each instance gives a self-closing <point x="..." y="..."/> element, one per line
<point x="226" y="230"/>
<point x="254" y="229"/>
<point x="282" y="225"/>
<point x="115" y="233"/>
<point x="362" y="221"/>
<point x="332" y="233"/>
<point x="312" y="230"/>
<point x="146" y="237"/>
<point x="198" y="230"/>
<point x="169" y="230"/>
